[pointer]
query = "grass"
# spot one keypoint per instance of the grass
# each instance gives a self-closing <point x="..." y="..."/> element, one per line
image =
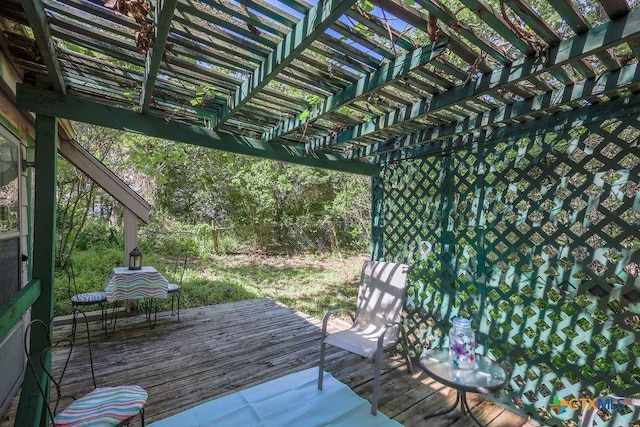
<point x="307" y="283"/>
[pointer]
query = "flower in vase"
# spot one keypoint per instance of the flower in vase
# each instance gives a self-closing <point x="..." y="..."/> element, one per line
<point x="459" y="349"/>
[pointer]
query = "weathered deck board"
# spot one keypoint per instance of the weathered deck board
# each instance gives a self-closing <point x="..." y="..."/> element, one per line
<point x="221" y="349"/>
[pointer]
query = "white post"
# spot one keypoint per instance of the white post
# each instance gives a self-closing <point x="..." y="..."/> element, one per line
<point x="130" y="242"/>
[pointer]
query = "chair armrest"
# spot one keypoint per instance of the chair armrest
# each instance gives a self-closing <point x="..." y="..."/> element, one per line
<point x="325" y="320"/>
<point x="385" y="327"/>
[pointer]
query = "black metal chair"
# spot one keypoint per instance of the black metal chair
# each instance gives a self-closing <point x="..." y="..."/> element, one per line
<point x="84" y="299"/>
<point x="107" y="406"/>
<point x="175" y="289"/>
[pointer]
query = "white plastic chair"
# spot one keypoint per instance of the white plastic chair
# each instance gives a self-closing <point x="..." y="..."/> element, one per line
<point x="589" y="414"/>
<point x="377" y="321"/>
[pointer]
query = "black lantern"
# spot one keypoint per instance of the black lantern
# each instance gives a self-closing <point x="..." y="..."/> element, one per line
<point x="135" y="259"/>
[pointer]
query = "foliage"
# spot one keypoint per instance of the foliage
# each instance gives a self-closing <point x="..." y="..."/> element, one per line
<point x="308" y="283"/>
<point x="253" y="204"/>
<point x="91" y="268"/>
<point x="79" y="198"/>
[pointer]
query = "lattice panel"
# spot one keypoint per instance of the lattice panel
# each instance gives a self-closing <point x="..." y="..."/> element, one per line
<point x="537" y="241"/>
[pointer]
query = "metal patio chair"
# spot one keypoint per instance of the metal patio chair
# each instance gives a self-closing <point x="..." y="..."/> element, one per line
<point x="84" y="299"/>
<point x="175" y="289"/>
<point x="104" y="406"/>
<point x="377" y="323"/>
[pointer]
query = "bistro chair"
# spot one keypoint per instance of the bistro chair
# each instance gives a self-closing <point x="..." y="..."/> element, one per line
<point x="175" y="289"/>
<point x="589" y="413"/>
<point x="84" y="299"/>
<point x="104" y="406"/>
<point x="377" y="323"/>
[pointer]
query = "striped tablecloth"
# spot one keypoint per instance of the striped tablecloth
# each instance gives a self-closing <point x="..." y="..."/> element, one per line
<point x="135" y="284"/>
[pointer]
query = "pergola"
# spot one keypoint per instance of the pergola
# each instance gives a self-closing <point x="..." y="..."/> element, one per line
<point x="501" y="137"/>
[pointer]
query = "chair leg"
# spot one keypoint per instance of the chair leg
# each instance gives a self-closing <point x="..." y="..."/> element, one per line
<point x="103" y="313"/>
<point x="179" y="298"/>
<point x="376" y="381"/>
<point x="74" y="324"/>
<point x="406" y="349"/>
<point x="321" y="364"/>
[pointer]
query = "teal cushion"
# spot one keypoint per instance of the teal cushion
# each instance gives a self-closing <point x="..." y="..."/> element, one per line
<point x="89" y="298"/>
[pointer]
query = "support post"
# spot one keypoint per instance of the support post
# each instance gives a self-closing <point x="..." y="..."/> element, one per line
<point x="31" y="409"/>
<point x="377" y="221"/>
<point x="130" y="233"/>
<point x="130" y="242"/>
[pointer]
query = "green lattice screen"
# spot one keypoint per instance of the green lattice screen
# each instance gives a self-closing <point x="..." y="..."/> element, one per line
<point x="537" y="241"/>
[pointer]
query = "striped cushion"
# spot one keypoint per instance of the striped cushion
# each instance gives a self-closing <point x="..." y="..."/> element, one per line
<point x="173" y="287"/>
<point x="89" y="298"/>
<point x="106" y="406"/>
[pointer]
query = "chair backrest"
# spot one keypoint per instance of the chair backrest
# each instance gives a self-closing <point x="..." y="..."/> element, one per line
<point x="381" y="294"/>
<point x="39" y="366"/>
<point x="67" y="267"/>
<point x="589" y="413"/>
<point x="179" y="267"/>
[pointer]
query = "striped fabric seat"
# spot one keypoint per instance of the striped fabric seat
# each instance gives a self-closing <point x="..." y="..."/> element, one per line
<point x="105" y="406"/>
<point x="89" y="298"/>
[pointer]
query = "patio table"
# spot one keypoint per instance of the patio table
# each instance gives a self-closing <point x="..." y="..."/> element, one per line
<point x="486" y="377"/>
<point x="136" y="284"/>
<point x="147" y="284"/>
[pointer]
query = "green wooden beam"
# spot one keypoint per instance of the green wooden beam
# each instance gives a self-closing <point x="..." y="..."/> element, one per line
<point x="497" y="23"/>
<point x="386" y="74"/>
<point x="31" y="406"/>
<point x="12" y="312"/>
<point x="605" y="36"/>
<point x="162" y="19"/>
<point x="80" y="109"/>
<point x="37" y="17"/>
<point x="604" y="84"/>
<point x="314" y="23"/>
<point x="577" y="21"/>
<point x="32" y="411"/>
<point x="451" y="20"/>
<point x="44" y="230"/>
<point x="596" y="113"/>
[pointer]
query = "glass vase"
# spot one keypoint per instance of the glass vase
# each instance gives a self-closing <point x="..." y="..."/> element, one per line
<point x="462" y="344"/>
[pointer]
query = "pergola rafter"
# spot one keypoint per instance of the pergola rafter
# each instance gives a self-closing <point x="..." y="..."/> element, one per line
<point x="592" y="42"/>
<point x="317" y="20"/>
<point x="72" y="107"/>
<point x="162" y="18"/>
<point x="34" y="9"/>
<point x="607" y="84"/>
<point x="388" y="73"/>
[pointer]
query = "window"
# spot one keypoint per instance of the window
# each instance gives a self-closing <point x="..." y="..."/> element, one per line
<point x="9" y="217"/>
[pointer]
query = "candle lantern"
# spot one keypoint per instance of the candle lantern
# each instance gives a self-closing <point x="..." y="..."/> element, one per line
<point x="135" y="259"/>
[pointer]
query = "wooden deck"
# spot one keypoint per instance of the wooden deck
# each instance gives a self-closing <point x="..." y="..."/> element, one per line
<point x="218" y="350"/>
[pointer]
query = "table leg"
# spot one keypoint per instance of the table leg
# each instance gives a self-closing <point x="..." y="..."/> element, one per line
<point x="464" y="405"/>
<point x="446" y="411"/>
<point x="461" y="397"/>
<point x="151" y="307"/>
<point x="114" y="318"/>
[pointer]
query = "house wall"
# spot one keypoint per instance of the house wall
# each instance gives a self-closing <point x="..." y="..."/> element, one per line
<point x="536" y="239"/>
<point x="14" y="127"/>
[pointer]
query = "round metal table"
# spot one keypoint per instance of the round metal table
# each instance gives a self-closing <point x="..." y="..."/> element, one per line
<point x="487" y="377"/>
